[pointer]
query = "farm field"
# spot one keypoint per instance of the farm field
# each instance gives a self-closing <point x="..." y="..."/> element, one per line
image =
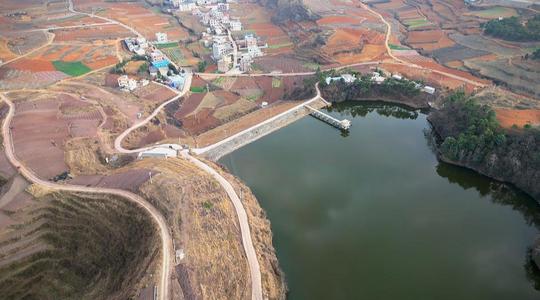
<point x="257" y="19"/>
<point x="518" y="117"/>
<point x="494" y="12"/>
<point x="55" y="63"/>
<point x="91" y="34"/>
<point x="520" y="76"/>
<point x="136" y="14"/>
<point x="60" y="117"/>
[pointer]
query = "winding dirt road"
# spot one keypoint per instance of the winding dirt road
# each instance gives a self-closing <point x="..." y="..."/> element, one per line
<point x="166" y="240"/>
<point x="118" y="141"/>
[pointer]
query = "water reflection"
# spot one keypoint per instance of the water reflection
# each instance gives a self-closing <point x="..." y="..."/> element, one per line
<point x="374" y="210"/>
<point x="353" y="109"/>
<point x="503" y="194"/>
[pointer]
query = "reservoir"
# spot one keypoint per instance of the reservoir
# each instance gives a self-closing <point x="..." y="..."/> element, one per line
<point x="372" y="214"/>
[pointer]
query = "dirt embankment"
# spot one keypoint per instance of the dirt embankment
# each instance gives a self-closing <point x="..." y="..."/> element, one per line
<point x="210" y="262"/>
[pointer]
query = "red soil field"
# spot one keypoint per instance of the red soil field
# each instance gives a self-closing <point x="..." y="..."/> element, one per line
<point x="34" y="65"/>
<point x="92" y="33"/>
<point x="265" y="29"/>
<point x="40" y="143"/>
<point x="509" y="117"/>
<point x="200" y="122"/>
<point x="427" y="36"/>
<point x="102" y="63"/>
<point x="189" y="105"/>
<point x="338" y="20"/>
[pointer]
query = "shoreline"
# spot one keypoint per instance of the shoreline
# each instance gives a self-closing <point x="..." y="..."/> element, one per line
<point x="253" y="134"/>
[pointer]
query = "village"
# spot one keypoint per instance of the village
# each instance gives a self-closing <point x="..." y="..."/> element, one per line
<point x="231" y="53"/>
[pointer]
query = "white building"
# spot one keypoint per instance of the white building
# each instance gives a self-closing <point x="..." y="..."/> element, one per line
<point x="126" y="83"/>
<point x="187" y="6"/>
<point x="428" y="89"/>
<point x="161" y="37"/>
<point x="219" y="49"/>
<point x="397" y="76"/>
<point x="162" y="151"/>
<point x="245" y="62"/>
<point x="235" y="25"/>
<point x="347" y="78"/>
<point x="156" y="55"/>
<point x="224" y="64"/>
<point x="377" y="78"/>
<point x="223" y="7"/>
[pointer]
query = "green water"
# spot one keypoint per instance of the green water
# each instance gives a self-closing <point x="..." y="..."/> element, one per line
<point x="374" y="215"/>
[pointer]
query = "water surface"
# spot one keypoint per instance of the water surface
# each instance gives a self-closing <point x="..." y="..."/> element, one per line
<point x="374" y="215"/>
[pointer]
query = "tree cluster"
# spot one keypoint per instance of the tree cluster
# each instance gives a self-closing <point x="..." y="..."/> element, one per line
<point x="514" y="29"/>
<point x="471" y="136"/>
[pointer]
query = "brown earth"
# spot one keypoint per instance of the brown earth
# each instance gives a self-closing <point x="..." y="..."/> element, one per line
<point x="520" y="117"/>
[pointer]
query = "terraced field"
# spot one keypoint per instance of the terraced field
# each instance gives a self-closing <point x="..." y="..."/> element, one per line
<point x="72" y="246"/>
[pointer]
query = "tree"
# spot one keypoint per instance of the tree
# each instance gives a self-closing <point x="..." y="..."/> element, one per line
<point x="201" y="66"/>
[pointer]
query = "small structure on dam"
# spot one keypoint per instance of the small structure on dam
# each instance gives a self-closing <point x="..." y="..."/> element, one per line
<point x="343" y="124"/>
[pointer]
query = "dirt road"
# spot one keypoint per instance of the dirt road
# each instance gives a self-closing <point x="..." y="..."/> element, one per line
<point x="122" y="136"/>
<point x="166" y="240"/>
<point x="253" y="263"/>
<point x="254" y="268"/>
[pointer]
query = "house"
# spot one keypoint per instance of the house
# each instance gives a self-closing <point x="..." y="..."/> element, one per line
<point x="397" y="76"/>
<point x="153" y="71"/>
<point x="161" y="37"/>
<point x="177" y="81"/>
<point x="158" y="59"/>
<point x="377" y="78"/>
<point x="235" y="25"/>
<point x="126" y="83"/>
<point x="157" y="55"/>
<point x="142" y="42"/>
<point x="329" y="80"/>
<point x="187" y="6"/>
<point x="224" y="64"/>
<point x="220" y="48"/>
<point x="223" y="7"/>
<point x="245" y="62"/>
<point x="348" y="78"/>
<point x="251" y="40"/>
<point x="428" y="89"/>
<point x="158" y="152"/>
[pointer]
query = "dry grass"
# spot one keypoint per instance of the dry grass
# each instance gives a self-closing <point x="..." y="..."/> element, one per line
<point x="83" y="157"/>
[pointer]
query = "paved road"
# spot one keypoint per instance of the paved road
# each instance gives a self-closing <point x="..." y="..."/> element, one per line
<point x="166" y="240"/>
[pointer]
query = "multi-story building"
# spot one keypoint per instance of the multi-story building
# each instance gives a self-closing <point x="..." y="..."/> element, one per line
<point x="235" y="25"/>
<point x="126" y="83"/>
<point x="220" y="48"/>
<point x="161" y="37"/>
<point x="224" y="64"/>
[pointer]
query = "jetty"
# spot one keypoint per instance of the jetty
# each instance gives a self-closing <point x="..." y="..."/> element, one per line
<point x="340" y="124"/>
